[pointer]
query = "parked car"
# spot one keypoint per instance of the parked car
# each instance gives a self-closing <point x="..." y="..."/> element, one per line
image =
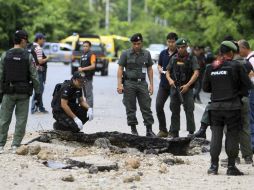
<point x="155" y="50"/>
<point x="58" y="52"/>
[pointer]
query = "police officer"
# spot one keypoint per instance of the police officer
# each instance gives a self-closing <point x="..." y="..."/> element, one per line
<point x="136" y="62"/>
<point x="182" y="72"/>
<point x="164" y="88"/>
<point x="87" y="65"/>
<point x="226" y="80"/>
<point x="244" y="133"/>
<point x="18" y="77"/>
<point x="69" y="108"/>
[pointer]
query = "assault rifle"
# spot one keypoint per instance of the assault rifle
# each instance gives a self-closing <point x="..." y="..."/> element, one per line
<point x="178" y="84"/>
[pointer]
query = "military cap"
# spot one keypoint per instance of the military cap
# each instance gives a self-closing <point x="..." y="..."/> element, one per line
<point x="181" y="41"/>
<point x="136" y="37"/>
<point x="79" y="75"/>
<point x="21" y="34"/>
<point x="230" y="45"/>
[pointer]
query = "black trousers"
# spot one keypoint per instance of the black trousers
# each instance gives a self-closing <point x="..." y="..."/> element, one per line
<point x="66" y="123"/>
<point x="162" y="96"/>
<point x="232" y="120"/>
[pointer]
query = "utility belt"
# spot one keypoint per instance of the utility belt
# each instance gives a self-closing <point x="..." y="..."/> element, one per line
<point x="136" y="79"/>
<point x="18" y="88"/>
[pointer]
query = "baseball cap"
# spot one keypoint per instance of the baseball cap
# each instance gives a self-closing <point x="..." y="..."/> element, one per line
<point x="21" y="34"/>
<point x="79" y="75"/>
<point x="39" y="36"/>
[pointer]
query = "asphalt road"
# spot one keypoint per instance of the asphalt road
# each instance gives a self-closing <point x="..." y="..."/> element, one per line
<point x="109" y="112"/>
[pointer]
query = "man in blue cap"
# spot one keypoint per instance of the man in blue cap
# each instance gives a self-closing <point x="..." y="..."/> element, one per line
<point x="41" y="69"/>
<point x="182" y="72"/>
<point x="137" y="63"/>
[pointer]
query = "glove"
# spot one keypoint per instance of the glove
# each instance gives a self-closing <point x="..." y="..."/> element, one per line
<point x="37" y="99"/>
<point x="78" y="122"/>
<point x="89" y="114"/>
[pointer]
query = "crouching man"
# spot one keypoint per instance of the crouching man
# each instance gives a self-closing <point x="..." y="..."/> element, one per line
<point x="69" y="108"/>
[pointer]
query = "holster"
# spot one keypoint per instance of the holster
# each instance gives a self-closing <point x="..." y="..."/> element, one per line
<point x="18" y="88"/>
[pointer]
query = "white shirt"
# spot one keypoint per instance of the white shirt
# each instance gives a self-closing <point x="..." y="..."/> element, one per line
<point x="251" y="60"/>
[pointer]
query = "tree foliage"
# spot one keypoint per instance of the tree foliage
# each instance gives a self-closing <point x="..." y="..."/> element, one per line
<point x="203" y="22"/>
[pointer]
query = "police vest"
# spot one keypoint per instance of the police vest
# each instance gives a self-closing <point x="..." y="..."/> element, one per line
<point x="182" y="69"/>
<point x="85" y="61"/>
<point x="137" y="65"/>
<point x="16" y="66"/>
<point x="223" y="83"/>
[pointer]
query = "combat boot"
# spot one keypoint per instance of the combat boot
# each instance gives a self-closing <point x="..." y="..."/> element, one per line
<point x="173" y="134"/>
<point x="213" y="169"/>
<point x="149" y="131"/>
<point x="201" y="133"/>
<point x="134" y="130"/>
<point x="162" y="134"/>
<point x="248" y="160"/>
<point x="233" y="170"/>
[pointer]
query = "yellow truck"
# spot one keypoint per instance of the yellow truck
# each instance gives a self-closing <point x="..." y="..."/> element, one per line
<point x="112" y="44"/>
<point x="76" y="41"/>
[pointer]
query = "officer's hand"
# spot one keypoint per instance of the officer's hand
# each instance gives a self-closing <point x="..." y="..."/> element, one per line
<point x="160" y="70"/>
<point x="150" y="89"/>
<point x="120" y="89"/>
<point x="37" y="99"/>
<point x="78" y="122"/>
<point x="80" y="69"/>
<point x="184" y="88"/>
<point x="171" y="83"/>
<point x="90" y="114"/>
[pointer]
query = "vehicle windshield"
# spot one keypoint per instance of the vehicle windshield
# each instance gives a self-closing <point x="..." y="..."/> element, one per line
<point x="94" y="48"/>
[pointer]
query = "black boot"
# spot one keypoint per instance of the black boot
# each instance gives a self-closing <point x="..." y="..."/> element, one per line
<point x="201" y="133"/>
<point x="213" y="169"/>
<point x="134" y="130"/>
<point x="149" y="131"/>
<point x="173" y="134"/>
<point x="233" y="170"/>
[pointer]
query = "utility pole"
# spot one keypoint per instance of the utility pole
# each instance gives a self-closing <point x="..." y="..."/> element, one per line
<point x="107" y="16"/>
<point x="90" y="5"/>
<point x="129" y="11"/>
<point x="145" y="7"/>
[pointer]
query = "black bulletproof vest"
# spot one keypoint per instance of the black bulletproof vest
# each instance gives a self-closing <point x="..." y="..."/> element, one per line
<point x="16" y="66"/>
<point x="85" y="61"/>
<point x="222" y="83"/>
<point x="182" y="70"/>
<point x="56" y="101"/>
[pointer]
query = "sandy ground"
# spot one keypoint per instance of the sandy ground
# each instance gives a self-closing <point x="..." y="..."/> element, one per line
<point x="28" y="172"/>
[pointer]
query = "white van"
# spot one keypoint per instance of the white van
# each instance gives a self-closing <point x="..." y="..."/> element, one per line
<point x="58" y="52"/>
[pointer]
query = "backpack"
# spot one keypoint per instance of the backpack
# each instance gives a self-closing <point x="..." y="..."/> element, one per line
<point x="31" y="49"/>
<point x="56" y="100"/>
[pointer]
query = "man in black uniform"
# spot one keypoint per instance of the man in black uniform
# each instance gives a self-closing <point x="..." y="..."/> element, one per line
<point x="88" y="65"/>
<point x="69" y="108"/>
<point x="226" y="80"/>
